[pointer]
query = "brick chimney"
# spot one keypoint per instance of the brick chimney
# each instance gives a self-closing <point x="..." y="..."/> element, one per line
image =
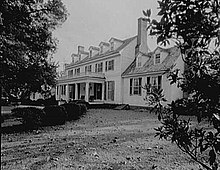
<point x="142" y="36"/>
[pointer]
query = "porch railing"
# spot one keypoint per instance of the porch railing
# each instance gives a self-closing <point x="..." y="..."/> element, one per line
<point x="83" y="74"/>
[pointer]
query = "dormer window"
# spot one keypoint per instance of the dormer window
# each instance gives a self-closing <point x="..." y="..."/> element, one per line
<point x="139" y="61"/>
<point x="157" y="59"/>
<point x="101" y="49"/>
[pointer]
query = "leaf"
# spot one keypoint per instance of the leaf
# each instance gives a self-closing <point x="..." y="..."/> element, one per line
<point x="160" y="38"/>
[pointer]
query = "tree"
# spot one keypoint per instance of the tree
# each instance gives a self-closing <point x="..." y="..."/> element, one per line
<point x="27" y="44"/>
<point x="194" y="26"/>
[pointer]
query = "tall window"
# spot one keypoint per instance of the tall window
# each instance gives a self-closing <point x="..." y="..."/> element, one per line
<point x="88" y="68"/>
<point x="135" y="86"/>
<point x="77" y="71"/>
<point x="63" y="89"/>
<point x="154" y="82"/>
<point x="157" y="59"/>
<point x="70" y="73"/>
<point x="109" y="65"/>
<point x="110" y="90"/>
<point x="99" y="67"/>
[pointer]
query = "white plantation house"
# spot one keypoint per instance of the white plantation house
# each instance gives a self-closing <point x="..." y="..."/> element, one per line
<point x="115" y="71"/>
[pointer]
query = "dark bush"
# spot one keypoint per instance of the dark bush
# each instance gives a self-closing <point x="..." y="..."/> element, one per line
<point x="50" y="101"/>
<point x="73" y="111"/>
<point x="32" y="117"/>
<point x="55" y="115"/>
<point x="83" y="108"/>
<point x="2" y="119"/>
<point x="81" y="102"/>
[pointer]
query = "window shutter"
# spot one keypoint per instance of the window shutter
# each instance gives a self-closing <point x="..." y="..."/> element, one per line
<point x="106" y="65"/>
<point x="140" y="85"/>
<point x="112" y="64"/>
<point x="95" y="67"/>
<point x="159" y="82"/>
<point x="131" y="82"/>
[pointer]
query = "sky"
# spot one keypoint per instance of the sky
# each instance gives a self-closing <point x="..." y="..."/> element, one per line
<point x="92" y="21"/>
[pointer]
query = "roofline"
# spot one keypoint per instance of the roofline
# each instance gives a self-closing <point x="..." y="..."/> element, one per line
<point x="96" y="59"/>
<point x="103" y="55"/>
<point x="145" y="73"/>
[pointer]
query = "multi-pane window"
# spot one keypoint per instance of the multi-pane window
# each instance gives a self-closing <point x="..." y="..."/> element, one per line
<point x="109" y="65"/>
<point x="77" y="71"/>
<point x="63" y="89"/>
<point x="99" y="67"/>
<point x="135" y="86"/>
<point x="88" y="68"/>
<point x="70" y="73"/>
<point x="157" y="59"/>
<point x="110" y="90"/>
<point x="154" y="83"/>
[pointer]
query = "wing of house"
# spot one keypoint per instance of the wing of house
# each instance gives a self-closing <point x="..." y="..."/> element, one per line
<point x="152" y="68"/>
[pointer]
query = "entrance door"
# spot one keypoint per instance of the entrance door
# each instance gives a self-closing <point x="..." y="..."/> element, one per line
<point x="98" y="91"/>
<point x="72" y="91"/>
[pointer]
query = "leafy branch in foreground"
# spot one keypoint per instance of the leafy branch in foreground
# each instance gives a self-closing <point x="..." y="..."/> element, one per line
<point x="194" y="27"/>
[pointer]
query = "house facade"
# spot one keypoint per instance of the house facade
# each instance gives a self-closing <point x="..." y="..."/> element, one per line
<point x="115" y="71"/>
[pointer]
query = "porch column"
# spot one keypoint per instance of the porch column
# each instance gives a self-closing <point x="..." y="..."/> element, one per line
<point x="59" y="92"/>
<point x="103" y="90"/>
<point x="67" y="92"/>
<point x="87" y="92"/>
<point x="76" y="91"/>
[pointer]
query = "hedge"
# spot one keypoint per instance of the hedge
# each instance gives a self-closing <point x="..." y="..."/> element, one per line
<point x="74" y="111"/>
<point x="54" y="115"/>
<point x="32" y="117"/>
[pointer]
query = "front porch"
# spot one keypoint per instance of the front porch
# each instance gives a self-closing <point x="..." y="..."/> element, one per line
<point x="88" y="91"/>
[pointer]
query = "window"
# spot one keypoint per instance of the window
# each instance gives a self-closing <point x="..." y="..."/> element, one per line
<point x="154" y="82"/>
<point x="135" y="86"/>
<point x="88" y="68"/>
<point x="109" y="65"/>
<point x="139" y="61"/>
<point x="157" y="59"/>
<point x="63" y="89"/>
<point x="110" y="90"/>
<point x="99" y="67"/>
<point x="90" y="53"/>
<point x="70" y="73"/>
<point x="77" y="71"/>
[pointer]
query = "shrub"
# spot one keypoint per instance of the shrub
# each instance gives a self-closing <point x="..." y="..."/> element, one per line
<point x="32" y="117"/>
<point x="54" y="115"/>
<point x="73" y="111"/>
<point x="81" y="102"/>
<point x="50" y="101"/>
<point x="83" y="108"/>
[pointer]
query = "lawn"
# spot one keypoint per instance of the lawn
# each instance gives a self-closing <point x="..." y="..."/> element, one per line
<point x="103" y="139"/>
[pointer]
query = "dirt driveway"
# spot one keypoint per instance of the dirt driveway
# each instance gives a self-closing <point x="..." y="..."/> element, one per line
<point x="103" y="139"/>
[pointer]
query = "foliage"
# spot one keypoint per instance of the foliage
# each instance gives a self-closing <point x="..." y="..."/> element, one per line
<point x="27" y="44"/>
<point x="74" y="111"/>
<point x="32" y="117"/>
<point x="54" y="115"/>
<point x="194" y="26"/>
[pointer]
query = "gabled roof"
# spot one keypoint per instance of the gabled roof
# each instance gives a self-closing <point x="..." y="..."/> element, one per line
<point x="109" y="52"/>
<point x="149" y="67"/>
